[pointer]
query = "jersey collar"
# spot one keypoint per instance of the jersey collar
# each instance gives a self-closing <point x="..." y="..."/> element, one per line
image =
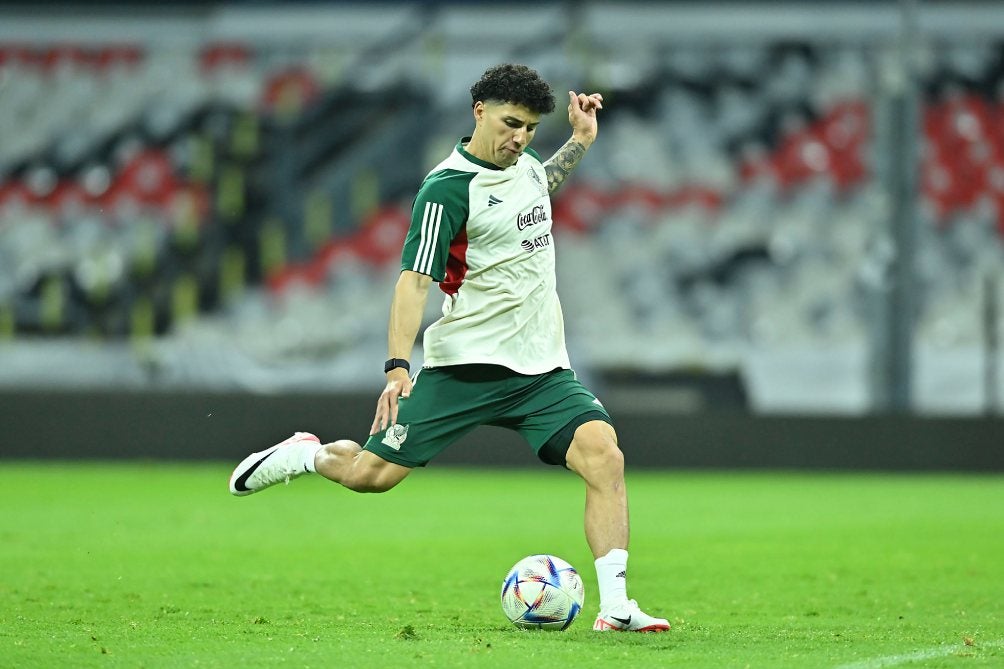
<point x="476" y="161"/>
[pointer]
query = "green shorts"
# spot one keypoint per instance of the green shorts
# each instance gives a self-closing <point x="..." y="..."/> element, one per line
<point x="448" y="402"/>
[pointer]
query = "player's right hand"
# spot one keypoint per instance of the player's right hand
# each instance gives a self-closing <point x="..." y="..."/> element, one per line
<point x="398" y="386"/>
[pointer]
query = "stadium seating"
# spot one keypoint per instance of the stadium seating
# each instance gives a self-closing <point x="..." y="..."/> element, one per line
<point x="734" y="201"/>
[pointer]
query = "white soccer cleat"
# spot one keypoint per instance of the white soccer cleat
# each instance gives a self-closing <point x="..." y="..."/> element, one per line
<point x="277" y="464"/>
<point x="629" y="618"/>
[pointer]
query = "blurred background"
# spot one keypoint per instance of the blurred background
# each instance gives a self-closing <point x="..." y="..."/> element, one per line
<point x="783" y="250"/>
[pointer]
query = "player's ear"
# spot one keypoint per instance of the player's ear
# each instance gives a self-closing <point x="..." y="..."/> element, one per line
<point x="479" y="110"/>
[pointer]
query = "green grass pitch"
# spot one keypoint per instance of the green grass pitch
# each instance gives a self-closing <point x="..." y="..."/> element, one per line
<point x="156" y="565"/>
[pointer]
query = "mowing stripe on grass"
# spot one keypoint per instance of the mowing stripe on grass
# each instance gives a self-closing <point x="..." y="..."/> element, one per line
<point x="926" y="654"/>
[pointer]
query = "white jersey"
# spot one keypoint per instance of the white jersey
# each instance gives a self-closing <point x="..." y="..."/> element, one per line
<point x="484" y="233"/>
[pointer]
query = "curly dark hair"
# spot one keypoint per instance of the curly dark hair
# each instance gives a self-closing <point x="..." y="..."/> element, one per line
<point x="516" y="84"/>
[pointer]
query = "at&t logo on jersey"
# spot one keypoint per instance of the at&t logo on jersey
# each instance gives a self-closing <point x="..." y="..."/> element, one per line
<point x="536" y="215"/>
<point x="531" y="245"/>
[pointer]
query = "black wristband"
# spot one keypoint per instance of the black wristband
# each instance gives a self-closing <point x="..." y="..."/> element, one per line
<point x="394" y="363"/>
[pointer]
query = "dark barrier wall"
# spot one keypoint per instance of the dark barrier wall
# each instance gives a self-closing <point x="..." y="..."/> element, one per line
<point x="227" y="427"/>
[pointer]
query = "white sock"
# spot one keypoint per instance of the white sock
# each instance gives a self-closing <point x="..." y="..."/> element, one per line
<point x="611" y="576"/>
<point x="309" y="452"/>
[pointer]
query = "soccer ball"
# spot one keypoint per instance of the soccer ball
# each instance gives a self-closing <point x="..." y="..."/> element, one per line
<point x="542" y="592"/>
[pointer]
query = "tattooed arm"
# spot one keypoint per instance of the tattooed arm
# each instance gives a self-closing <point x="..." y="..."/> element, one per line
<point x="561" y="164"/>
<point x="582" y="117"/>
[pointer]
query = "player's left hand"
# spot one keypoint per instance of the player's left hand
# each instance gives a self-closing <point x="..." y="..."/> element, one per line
<point x="582" y="110"/>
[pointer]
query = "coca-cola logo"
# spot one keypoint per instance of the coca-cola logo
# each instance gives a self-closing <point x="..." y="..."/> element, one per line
<point x="536" y="215"/>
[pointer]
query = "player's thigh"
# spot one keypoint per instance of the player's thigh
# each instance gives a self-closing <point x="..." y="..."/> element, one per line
<point x="553" y="412"/>
<point x="372" y="473"/>
<point x="444" y="405"/>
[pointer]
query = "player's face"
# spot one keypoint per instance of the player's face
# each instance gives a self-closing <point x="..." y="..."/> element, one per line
<point x="502" y="132"/>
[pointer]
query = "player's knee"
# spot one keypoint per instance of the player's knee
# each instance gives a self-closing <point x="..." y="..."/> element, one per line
<point x="609" y="457"/>
<point x="334" y="456"/>
<point x="594" y="450"/>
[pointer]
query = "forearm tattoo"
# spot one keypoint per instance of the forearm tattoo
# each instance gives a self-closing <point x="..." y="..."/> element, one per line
<point x="561" y="164"/>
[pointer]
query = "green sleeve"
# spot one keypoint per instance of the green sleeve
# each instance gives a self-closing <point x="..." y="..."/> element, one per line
<point x="440" y="211"/>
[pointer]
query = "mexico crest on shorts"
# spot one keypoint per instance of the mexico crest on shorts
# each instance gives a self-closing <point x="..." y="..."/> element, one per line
<point x="396" y="434"/>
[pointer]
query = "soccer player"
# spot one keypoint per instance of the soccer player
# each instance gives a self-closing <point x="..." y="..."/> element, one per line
<point x="481" y="228"/>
